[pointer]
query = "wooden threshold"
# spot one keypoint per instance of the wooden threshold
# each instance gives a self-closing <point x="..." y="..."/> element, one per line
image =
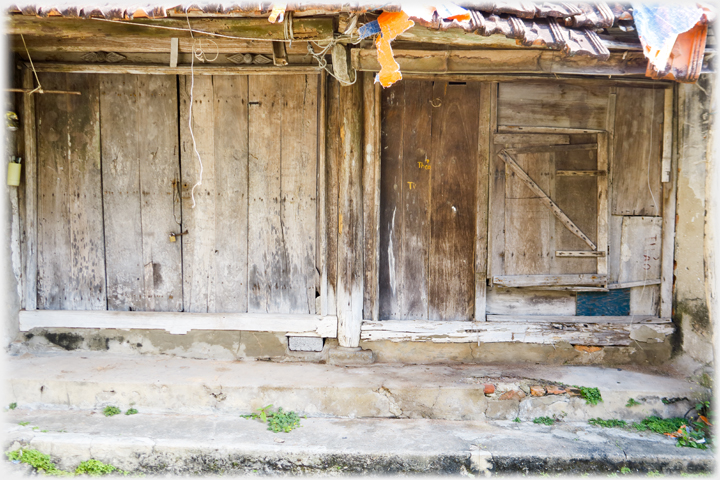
<point x="182" y="322"/>
<point x="602" y="334"/>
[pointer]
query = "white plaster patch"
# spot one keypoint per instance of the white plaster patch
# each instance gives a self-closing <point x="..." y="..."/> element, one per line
<point x="481" y="461"/>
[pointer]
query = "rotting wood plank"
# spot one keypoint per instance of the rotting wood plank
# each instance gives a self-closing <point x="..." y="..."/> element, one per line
<point x="667" y="136"/>
<point x="578" y="253"/>
<point x="603" y="194"/>
<point x="485" y="131"/>
<point x="552" y="105"/>
<point x="298" y="190"/>
<point x="580" y="173"/>
<point x="613" y="286"/>
<point x="547" y="130"/>
<point x="350" y="228"/>
<point x="391" y="187"/>
<point x="641" y="249"/>
<point x="513" y="301"/>
<point x="199" y="210"/>
<point x="371" y="162"/>
<point x="636" y="167"/>
<point x="321" y="260"/>
<point x="266" y="246"/>
<point x="376" y="206"/>
<point x="630" y="319"/>
<point x="230" y="130"/>
<point x="199" y="70"/>
<point x="332" y="153"/>
<point x="546" y="199"/>
<point x="119" y="120"/>
<point x="502" y="62"/>
<point x="588" y="280"/>
<point x="668" y="223"/>
<point x="182" y="322"/>
<point x="419" y="164"/>
<point x="166" y="28"/>
<point x="30" y="277"/>
<point x="517" y="332"/>
<point x="455" y="126"/>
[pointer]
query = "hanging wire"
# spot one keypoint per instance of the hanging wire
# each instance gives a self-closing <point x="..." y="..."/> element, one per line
<point x="39" y="87"/>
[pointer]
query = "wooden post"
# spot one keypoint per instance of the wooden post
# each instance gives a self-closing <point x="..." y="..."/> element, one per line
<point x="481" y="208"/>
<point x="669" y="205"/>
<point x="350" y="216"/>
<point x="28" y="119"/>
<point x="371" y="194"/>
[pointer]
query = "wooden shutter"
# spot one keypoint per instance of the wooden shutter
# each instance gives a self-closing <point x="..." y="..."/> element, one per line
<point x="548" y="211"/>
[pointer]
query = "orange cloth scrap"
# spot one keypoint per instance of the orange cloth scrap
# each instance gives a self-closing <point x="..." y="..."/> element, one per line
<point x="278" y="13"/>
<point x="391" y="24"/>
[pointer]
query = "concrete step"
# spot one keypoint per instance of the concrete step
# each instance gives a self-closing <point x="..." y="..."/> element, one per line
<point x="227" y="445"/>
<point x="166" y="384"/>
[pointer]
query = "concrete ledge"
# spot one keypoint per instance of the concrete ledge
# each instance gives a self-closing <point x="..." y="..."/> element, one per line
<point x="350" y="356"/>
<point x="183" y="445"/>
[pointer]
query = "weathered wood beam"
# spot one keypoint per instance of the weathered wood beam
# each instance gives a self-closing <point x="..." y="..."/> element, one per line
<point x="581" y="279"/>
<point x="180" y="70"/>
<point x="246" y="28"/>
<point x="350" y="216"/>
<point x="488" y="117"/>
<point x="30" y="252"/>
<point x="669" y="208"/>
<point x="580" y="173"/>
<point x="578" y="253"/>
<point x="503" y="61"/>
<point x="624" y="319"/>
<point x="543" y="197"/>
<point x="639" y="283"/>
<point x="371" y="194"/>
<point x="519" y="332"/>
<point x="181" y="322"/>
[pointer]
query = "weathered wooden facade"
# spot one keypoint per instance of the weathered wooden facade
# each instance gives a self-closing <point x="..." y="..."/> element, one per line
<point x="496" y="194"/>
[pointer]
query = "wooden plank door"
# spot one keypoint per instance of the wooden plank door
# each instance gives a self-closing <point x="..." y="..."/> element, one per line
<point x="429" y="166"/>
<point x="71" y="266"/>
<point x="548" y="211"/>
<point x="140" y="193"/>
<point x="251" y="221"/>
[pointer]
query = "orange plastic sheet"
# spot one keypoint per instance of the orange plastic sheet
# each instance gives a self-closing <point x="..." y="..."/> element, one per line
<point x="392" y="24"/>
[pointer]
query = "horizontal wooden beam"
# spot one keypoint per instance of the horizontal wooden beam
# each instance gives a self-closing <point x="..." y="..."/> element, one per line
<point x="578" y="253"/>
<point x="639" y="283"/>
<point x="503" y="61"/>
<point x="238" y="28"/>
<point x="581" y="279"/>
<point x="569" y="79"/>
<point x="521" y="332"/>
<point x="182" y="322"/>
<point x="552" y="148"/>
<point x="179" y="70"/>
<point x="626" y="320"/>
<point x="580" y="173"/>
<point x="561" y="130"/>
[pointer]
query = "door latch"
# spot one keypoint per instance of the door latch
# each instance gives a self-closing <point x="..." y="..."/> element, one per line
<point x="173" y="236"/>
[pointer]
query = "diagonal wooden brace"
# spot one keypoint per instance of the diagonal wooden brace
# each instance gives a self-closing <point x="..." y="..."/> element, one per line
<point x="569" y="224"/>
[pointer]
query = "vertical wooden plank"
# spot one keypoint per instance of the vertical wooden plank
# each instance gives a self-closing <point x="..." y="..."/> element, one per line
<point x="640" y="249"/>
<point x="199" y="219"/>
<point x="298" y="188"/>
<point x="54" y="251"/>
<point x="391" y="192"/>
<point x="636" y="164"/>
<point x="31" y="194"/>
<point x="414" y="206"/>
<point x="332" y="153"/>
<point x="119" y="112"/>
<point x="668" y="220"/>
<point x="615" y="233"/>
<point x="667" y="135"/>
<point x="159" y="162"/>
<point x="231" y="192"/>
<point x="453" y="210"/>
<point x="265" y="242"/>
<point x="602" y="203"/>
<point x="321" y="258"/>
<point x="481" y="201"/>
<point x="350" y="231"/>
<point x="496" y="198"/>
<point x="370" y="221"/>
<point x="376" y="207"/>
<point x="87" y="261"/>
<point x="644" y="300"/>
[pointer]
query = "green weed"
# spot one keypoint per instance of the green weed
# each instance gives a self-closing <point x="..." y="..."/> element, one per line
<point x="544" y="420"/>
<point x="279" y="421"/>
<point x="517" y="420"/>
<point x="131" y="411"/>
<point x="96" y="468"/>
<point x="632" y="402"/>
<point x="609" y="423"/>
<point x="23" y="424"/>
<point x="37" y="460"/>
<point x="660" y="425"/>
<point x="109" y="411"/>
<point x="12" y="406"/>
<point x="654" y="473"/>
<point x="591" y="395"/>
<point x="625" y="470"/>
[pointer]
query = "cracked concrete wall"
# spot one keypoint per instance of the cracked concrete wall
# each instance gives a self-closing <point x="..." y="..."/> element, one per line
<point x="693" y="241"/>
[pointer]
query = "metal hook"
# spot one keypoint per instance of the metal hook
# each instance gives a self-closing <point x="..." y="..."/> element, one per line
<point x="438" y="104"/>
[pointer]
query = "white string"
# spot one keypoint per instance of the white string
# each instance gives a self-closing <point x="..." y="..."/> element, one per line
<point x="190" y="118"/>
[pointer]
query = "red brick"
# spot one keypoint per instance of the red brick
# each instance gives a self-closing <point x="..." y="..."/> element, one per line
<point x="489" y="388"/>
<point x="512" y="395"/>
<point x="537" y="391"/>
<point x="553" y="390"/>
